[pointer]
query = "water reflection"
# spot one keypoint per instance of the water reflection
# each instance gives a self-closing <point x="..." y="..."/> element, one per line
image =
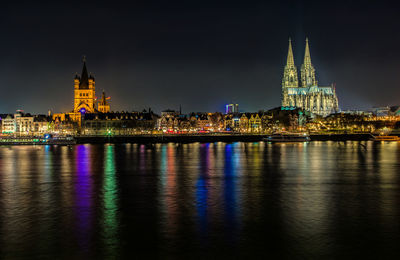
<point x="83" y="196"/>
<point x="168" y="193"/>
<point x="202" y="188"/>
<point x="231" y="179"/>
<point x="110" y="201"/>
<point x="197" y="200"/>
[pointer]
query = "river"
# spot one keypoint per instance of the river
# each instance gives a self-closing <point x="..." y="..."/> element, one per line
<point x="197" y="200"/>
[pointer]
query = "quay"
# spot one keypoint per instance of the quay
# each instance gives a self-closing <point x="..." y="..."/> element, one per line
<point x="168" y="138"/>
<point x="209" y="138"/>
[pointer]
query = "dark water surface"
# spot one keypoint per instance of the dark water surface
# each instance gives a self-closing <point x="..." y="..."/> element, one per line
<point x="239" y="200"/>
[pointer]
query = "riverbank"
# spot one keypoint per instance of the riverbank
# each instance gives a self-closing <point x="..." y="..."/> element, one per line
<point x="208" y="138"/>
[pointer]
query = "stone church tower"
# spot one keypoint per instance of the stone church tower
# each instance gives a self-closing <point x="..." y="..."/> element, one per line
<point x="84" y="92"/>
<point x="103" y="105"/>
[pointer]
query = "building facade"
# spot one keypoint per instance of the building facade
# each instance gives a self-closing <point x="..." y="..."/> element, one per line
<point x="25" y="124"/>
<point x="306" y="94"/>
<point x="84" y="92"/>
<point x="103" y="106"/>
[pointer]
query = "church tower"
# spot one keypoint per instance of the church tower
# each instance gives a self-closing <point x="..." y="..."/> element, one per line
<point x="307" y="70"/>
<point x="290" y="79"/>
<point x="103" y="106"/>
<point x="84" y="93"/>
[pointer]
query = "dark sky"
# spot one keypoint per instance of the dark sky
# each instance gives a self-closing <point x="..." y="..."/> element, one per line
<point x="200" y="54"/>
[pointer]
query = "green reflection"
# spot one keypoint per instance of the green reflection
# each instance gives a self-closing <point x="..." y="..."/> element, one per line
<point x="110" y="200"/>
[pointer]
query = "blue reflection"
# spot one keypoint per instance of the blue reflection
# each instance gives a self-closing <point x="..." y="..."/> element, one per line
<point x="230" y="189"/>
<point x="163" y="167"/>
<point x="202" y="185"/>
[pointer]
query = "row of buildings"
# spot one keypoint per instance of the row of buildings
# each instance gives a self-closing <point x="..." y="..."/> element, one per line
<point x="172" y="122"/>
<point x="21" y="122"/>
<point x="303" y="103"/>
<point x="145" y="122"/>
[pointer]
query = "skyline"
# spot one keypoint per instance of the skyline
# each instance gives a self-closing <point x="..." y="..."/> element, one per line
<point x="199" y="57"/>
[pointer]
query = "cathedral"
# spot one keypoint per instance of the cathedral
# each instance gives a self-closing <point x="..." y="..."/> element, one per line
<point x="306" y="94"/>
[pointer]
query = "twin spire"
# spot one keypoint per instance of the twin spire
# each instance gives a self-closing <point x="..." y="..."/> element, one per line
<point x="307" y="56"/>
<point x="307" y="69"/>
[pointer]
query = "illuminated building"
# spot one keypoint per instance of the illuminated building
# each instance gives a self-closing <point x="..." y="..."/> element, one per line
<point x="255" y="123"/>
<point x="8" y="125"/>
<point x="24" y="124"/>
<point x="309" y="96"/>
<point x="84" y="93"/>
<point x="124" y="123"/>
<point x="191" y="122"/>
<point x="103" y="105"/>
<point x="231" y="108"/>
<point x="84" y="98"/>
<point x="231" y="122"/>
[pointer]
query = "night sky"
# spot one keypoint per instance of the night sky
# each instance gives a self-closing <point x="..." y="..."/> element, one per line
<point x="199" y="54"/>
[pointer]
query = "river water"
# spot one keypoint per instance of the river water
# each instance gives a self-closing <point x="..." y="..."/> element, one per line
<point x="216" y="200"/>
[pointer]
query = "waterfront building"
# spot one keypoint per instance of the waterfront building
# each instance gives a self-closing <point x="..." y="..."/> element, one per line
<point x="231" y="122"/>
<point x="119" y="123"/>
<point x="8" y="125"/>
<point x="22" y="123"/>
<point x="173" y="122"/>
<point x="231" y="108"/>
<point x="243" y="123"/>
<point x="202" y="121"/>
<point x="306" y="94"/>
<point x="255" y="125"/>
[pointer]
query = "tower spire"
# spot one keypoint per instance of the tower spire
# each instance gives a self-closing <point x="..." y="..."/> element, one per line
<point x="307" y="56"/>
<point x="289" y="79"/>
<point x="290" y="59"/>
<point x="84" y="76"/>
<point x="307" y="69"/>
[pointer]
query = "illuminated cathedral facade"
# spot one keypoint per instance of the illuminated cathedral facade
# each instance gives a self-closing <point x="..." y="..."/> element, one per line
<point x="306" y="94"/>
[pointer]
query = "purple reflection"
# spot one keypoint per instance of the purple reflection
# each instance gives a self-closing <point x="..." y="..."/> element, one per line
<point x="83" y="190"/>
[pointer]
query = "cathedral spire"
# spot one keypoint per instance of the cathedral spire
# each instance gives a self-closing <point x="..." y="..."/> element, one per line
<point x="307" y="56"/>
<point x="290" y="59"/>
<point x="307" y="69"/>
<point x="289" y="79"/>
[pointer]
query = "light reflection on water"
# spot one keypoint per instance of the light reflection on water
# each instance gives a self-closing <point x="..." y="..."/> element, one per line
<point x="309" y="200"/>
